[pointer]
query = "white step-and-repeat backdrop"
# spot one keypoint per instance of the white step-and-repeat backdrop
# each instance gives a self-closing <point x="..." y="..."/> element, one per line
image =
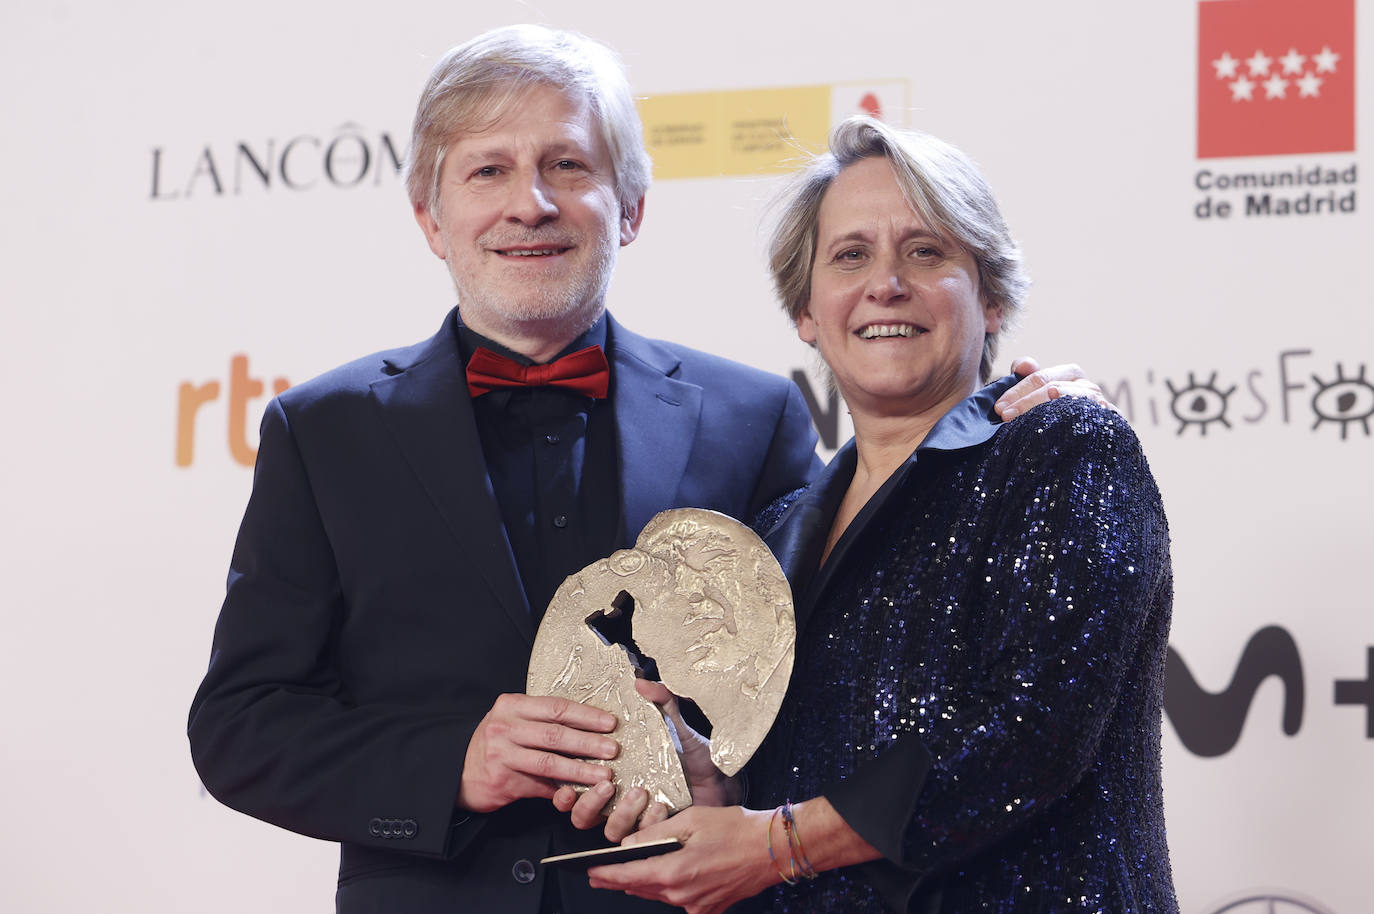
<point x="201" y="206"/>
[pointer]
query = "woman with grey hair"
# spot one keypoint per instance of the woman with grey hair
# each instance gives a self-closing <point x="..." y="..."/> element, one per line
<point x="982" y="609"/>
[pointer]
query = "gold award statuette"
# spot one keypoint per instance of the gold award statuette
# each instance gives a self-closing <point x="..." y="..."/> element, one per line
<point x="707" y="602"/>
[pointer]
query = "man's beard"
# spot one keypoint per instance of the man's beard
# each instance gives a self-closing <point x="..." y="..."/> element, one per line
<point x="572" y="302"/>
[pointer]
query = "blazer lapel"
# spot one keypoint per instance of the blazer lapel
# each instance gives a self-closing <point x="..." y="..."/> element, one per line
<point x="426" y="406"/>
<point x="656" y="418"/>
<point x="798" y="538"/>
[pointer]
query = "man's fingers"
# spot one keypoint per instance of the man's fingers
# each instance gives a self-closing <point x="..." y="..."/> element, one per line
<point x="526" y="746"/>
<point x="1084" y="388"/>
<point x="562" y="740"/>
<point x="557" y="769"/>
<point x="555" y="710"/>
<point x="565" y="798"/>
<point x="1067" y="372"/>
<point x="1024" y="394"/>
<point x="622" y="820"/>
<point x="1043" y="385"/>
<point x="586" y="812"/>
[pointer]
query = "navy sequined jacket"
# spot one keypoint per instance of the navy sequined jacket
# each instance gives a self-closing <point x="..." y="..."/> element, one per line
<point x="980" y="668"/>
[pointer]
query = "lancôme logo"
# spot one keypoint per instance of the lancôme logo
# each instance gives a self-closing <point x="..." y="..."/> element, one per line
<point x="1275" y="77"/>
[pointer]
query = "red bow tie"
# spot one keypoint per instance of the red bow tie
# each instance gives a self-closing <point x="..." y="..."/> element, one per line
<point x="585" y="371"/>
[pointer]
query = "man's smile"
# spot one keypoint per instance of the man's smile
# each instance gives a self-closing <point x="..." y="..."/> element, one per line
<point x="531" y="252"/>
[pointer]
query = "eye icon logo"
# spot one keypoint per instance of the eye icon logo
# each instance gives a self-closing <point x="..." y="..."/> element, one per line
<point x="1270" y="903"/>
<point x="1199" y="404"/>
<point x="1344" y="400"/>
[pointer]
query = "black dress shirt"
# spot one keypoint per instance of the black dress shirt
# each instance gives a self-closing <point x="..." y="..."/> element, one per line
<point x="551" y="456"/>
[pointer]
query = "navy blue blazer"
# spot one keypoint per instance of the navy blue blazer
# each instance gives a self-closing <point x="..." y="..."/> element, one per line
<point x="374" y="610"/>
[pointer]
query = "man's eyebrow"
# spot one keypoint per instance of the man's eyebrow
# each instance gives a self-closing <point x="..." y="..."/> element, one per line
<point x="564" y="148"/>
<point x="467" y="158"/>
<point x="496" y="149"/>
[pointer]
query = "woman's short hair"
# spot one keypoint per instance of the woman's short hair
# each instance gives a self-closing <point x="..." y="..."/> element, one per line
<point x="944" y="187"/>
<point x="473" y="83"/>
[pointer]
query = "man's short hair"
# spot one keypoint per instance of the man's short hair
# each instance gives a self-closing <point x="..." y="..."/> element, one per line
<point x="471" y="86"/>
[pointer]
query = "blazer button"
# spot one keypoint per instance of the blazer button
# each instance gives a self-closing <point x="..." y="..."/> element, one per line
<point x="409" y="828"/>
<point x="523" y="871"/>
<point x="374" y="828"/>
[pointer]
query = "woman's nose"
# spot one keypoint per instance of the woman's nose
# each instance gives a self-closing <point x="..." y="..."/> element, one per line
<point x="887" y="285"/>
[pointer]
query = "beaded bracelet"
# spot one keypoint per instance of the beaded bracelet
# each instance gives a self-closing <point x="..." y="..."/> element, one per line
<point x="793" y="879"/>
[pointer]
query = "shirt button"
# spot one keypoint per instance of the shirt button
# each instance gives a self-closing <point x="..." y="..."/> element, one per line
<point x="552" y="439"/>
<point x="523" y="872"/>
<point x="560" y="521"/>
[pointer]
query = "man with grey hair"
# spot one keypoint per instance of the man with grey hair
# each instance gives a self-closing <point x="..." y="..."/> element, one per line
<point x="413" y="511"/>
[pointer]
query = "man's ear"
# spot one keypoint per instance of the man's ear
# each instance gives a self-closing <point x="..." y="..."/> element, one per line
<point x="629" y="222"/>
<point x="430" y="226"/>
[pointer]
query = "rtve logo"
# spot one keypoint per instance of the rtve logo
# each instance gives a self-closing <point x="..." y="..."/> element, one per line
<point x="242" y="389"/>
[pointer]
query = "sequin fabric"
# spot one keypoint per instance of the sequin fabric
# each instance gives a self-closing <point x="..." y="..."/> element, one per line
<point x="1006" y="605"/>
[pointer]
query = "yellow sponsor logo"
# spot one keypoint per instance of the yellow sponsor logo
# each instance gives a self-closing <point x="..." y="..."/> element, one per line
<point x="755" y="131"/>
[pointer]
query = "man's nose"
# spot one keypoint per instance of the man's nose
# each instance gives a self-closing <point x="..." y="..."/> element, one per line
<point x="531" y="201"/>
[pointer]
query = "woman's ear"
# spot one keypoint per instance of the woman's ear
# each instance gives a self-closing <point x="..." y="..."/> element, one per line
<point x="992" y="317"/>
